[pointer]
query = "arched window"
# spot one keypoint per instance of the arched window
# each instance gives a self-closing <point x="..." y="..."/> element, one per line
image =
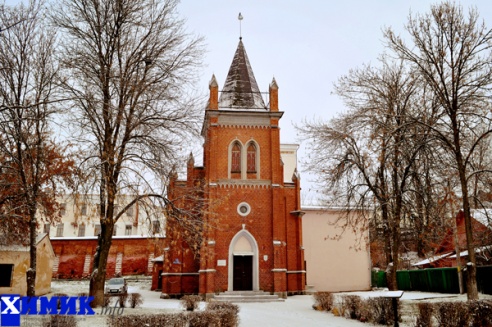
<point x="236" y="158"/>
<point x="251" y="158"/>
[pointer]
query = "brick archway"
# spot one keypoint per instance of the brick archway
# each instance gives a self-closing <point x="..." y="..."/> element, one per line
<point x="243" y="244"/>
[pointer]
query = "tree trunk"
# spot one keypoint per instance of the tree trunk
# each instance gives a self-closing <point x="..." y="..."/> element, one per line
<point x="471" y="268"/>
<point x="31" y="272"/>
<point x="96" y="286"/>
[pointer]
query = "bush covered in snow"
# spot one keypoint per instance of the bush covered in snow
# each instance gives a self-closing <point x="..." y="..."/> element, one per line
<point x="216" y="315"/>
<point x="323" y="301"/>
<point x="190" y="302"/>
<point x="59" y="321"/>
<point x="480" y="313"/>
<point x="136" y="300"/>
<point x="424" y="316"/>
<point x="164" y="320"/>
<point x="352" y="306"/>
<point x="203" y="319"/>
<point x="228" y="312"/>
<point x="374" y="310"/>
<point x="379" y="310"/>
<point x="454" y="314"/>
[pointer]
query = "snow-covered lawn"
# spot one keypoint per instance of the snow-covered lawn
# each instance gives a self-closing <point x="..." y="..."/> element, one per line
<point x="295" y="311"/>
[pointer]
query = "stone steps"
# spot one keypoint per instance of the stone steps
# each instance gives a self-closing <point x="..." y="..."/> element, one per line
<point x="246" y="296"/>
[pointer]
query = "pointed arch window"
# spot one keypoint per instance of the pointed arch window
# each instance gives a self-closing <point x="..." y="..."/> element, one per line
<point x="251" y="158"/>
<point x="236" y="158"/>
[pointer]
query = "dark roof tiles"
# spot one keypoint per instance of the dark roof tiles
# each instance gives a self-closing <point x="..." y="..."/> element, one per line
<point x="240" y="89"/>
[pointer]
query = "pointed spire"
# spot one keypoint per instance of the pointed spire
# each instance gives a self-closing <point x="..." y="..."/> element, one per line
<point x="191" y="160"/>
<point x="213" y="86"/>
<point x="273" y="95"/>
<point x="213" y="81"/>
<point x="295" y="175"/>
<point x="240" y="89"/>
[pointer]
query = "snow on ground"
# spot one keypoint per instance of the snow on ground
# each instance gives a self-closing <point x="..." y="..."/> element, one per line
<point x="295" y="311"/>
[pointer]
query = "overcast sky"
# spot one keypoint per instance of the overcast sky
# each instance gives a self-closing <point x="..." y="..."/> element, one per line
<point x="305" y="45"/>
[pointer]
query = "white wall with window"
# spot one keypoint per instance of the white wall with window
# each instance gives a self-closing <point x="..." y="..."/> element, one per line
<point x="79" y="217"/>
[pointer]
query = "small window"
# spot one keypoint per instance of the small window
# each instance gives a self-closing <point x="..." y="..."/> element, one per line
<point x="236" y="158"/>
<point x="63" y="209"/>
<point x="243" y="209"/>
<point x="128" y="230"/>
<point x="46" y="228"/>
<point x="59" y="230"/>
<point x="6" y="270"/>
<point x="115" y="228"/>
<point x="156" y="227"/>
<point x="83" y="209"/>
<point x="97" y="229"/>
<point x="81" y="230"/>
<point x="251" y="158"/>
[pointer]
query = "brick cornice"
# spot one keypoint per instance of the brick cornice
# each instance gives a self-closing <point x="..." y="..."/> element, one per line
<point x="243" y="183"/>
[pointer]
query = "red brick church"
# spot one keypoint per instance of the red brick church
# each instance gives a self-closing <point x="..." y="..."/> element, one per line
<point x="250" y="231"/>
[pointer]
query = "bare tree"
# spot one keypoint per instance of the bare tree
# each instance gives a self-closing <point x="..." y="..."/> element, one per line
<point x="128" y="65"/>
<point x="366" y="155"/>
<point x="32" y="164"/>
<point x="452" y="54"/>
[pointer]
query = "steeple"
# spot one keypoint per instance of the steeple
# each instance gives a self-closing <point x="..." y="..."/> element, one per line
<point x="240" y="89"/>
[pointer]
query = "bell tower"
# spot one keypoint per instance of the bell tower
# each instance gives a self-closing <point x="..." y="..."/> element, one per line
<point x="251" y="237"/>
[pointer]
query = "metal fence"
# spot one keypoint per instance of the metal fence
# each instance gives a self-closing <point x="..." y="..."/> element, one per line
<point x="440" y="280"/>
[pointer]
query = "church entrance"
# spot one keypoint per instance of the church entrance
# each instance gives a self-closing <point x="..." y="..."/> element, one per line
<point x="243" y="273"/>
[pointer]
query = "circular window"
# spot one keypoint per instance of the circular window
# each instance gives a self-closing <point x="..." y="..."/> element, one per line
<point x="243" y="209"/>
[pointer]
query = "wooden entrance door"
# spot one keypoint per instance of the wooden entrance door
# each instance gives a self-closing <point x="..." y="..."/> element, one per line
<point x="243" y="273"/>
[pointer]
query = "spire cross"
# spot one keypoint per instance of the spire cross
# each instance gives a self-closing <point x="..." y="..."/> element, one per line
<point x="240" y="18"/>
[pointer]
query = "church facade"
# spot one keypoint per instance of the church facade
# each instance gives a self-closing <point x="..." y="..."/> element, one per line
<point x="248" y="233"/>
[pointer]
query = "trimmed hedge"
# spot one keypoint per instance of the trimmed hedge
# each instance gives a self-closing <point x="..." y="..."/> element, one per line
<point x="216" y="315"/>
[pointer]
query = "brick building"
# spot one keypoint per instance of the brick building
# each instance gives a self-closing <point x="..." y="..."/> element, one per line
<point x="252" y="230"/>
<point x="138" y="237"/>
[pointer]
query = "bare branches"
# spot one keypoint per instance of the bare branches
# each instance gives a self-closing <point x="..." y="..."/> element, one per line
<point x="32" y="163"/>
<point x="453" y="55"/>
<point x="128" y="67"/>
<point x="416" y="128"/>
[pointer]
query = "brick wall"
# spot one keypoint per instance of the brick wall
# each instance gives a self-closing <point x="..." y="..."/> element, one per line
<point x="135" y="253"/>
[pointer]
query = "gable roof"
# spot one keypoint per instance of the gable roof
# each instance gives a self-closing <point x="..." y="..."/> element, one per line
<point x="24" y="248"/>
<point x="240" y="88"/>
<point x="479" y="226"/>
<point x="483" y="216"/>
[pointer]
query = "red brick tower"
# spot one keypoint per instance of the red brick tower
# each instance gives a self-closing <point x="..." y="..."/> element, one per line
<point x="252" y="220"/>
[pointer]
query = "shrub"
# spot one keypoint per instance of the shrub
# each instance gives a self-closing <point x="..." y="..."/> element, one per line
<point x="135" y="300"/>
<point x="452" y="314"/>
<point x="480" y="313"/>
<point x="323" y="301"/>
<point x="59" y="321"/>
<point x="424" y="317"/>
<point x="122" y="299"/>
<point x="190" y="302"/>
<point x="351" y="306"/>
<point x="204" y="319"/>
<point x="379" y="310"/>
<point x="164" y="320"/>
<point x="227" y="312"/>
